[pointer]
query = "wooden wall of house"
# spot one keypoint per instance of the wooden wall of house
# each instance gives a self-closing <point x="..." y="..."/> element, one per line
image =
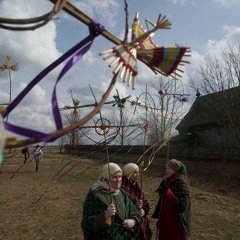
<point x="214" y="137"/>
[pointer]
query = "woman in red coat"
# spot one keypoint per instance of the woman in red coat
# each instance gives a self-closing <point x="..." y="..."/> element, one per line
<point x="133" y="189"/>
<point x="173" y="209"/>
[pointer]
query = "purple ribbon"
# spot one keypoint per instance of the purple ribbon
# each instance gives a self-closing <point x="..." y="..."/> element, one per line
<point x="81" y="48"/>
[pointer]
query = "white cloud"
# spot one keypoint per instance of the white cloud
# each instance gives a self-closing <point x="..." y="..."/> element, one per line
<point x="182" y="2"/>
<point x="196" y="60"/>
<point x="36" y="98"/>
<point x="34" y="111"/>
<point x="214" y="47"/>
<point x="28" y="47"/>
<point x="232" y="32"/>
<point x="100" y="8"/>
<point x="4" y="97"/>
<point x="24" y="9"/>
<point x="227" y="3"/>
<point x="224" y="3"/>
<point x="33" y="51"/>
<point x="90" y="57"/>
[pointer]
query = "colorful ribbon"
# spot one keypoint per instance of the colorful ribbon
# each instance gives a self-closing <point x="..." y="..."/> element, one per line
<point x="78" y="50"/>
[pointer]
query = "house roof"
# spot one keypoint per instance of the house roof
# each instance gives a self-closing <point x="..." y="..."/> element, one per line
<point x="212" y="110"/>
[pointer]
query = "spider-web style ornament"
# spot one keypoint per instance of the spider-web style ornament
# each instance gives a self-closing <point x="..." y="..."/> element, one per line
<point x="102" y="126"/>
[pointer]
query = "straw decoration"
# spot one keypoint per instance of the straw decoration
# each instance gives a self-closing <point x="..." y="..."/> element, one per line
<point x="8" y="65"/>
<point x="160" y="59"/>
<point x="162" y="23"/>
<point x="138" y="31"/>
<point x="165" y="60"/>
<point x="123" y="59"/>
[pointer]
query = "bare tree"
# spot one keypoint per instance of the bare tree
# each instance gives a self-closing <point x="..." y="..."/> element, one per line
<point x="221" y="72"/>
<point x="130" y="129"/>
<point x="164" y="107"/>
<point x="76" y="137"/>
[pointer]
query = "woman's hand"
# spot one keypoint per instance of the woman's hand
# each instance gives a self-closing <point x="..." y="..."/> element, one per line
<point x="111" y="210"/>
<point x="129" y="223"/>
<point x="142" y="212"/>
<point x="140" y="204"/>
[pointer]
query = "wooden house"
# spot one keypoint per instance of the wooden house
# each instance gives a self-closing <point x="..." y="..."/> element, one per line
<point x="211" y="127"/>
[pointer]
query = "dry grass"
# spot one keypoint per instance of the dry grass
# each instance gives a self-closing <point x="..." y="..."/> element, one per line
<point x="34" y="206"/>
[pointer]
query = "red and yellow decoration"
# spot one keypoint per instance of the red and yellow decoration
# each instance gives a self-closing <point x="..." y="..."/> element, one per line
<point x="123" y="58"/>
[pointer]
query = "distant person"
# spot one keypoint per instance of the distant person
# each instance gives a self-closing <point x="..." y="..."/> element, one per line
<point x="37" y="153"/>
<point x="108" y="214"/>
<point x="25" y="152"/>
<point x="132" y="187"/>
<point x="173" y="209"/>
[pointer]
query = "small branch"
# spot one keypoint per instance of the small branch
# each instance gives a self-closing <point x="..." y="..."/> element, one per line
<point x="40" y="21"/>
<point x="126" y="21"/>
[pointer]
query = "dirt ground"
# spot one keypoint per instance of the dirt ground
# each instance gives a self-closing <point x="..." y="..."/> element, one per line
<point x="48" y="205"/>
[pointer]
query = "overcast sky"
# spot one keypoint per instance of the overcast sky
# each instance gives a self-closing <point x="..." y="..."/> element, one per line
<point x="205" y="26"/>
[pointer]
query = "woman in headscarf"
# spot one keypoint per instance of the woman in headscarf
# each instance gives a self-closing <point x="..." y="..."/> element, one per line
<point x="108" y="214"/>
<point x="132" y="187"/>
<point x="173" y="210"/>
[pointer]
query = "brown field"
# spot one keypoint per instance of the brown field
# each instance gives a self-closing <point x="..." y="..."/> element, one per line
<point x="36" y="206"/>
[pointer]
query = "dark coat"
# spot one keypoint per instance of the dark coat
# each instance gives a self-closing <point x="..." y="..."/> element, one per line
<point x="93" y="222"/>
<point x="173" y="210"/>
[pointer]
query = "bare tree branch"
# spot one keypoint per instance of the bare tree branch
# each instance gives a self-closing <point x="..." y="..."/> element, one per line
<point x="41" y="20"/>
<point x="126" y="20"/>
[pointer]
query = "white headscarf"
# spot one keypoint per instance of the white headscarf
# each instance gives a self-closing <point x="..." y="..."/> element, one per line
<point x="129" y="168"/>
<point x="109" y="168"/>
<point x="104" y="176"/>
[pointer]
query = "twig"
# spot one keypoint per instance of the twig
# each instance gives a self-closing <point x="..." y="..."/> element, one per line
<point x="126" y="21"/>
<point x="41" y="20"/>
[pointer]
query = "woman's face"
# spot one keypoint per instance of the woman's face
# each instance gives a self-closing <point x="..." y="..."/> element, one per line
<point x="169" y="171"/>
<point x="115" y="180"/>
<point x="134" y="176"/>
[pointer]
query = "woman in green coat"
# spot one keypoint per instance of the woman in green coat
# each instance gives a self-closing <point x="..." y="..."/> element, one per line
<point x="108" y="214"/>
